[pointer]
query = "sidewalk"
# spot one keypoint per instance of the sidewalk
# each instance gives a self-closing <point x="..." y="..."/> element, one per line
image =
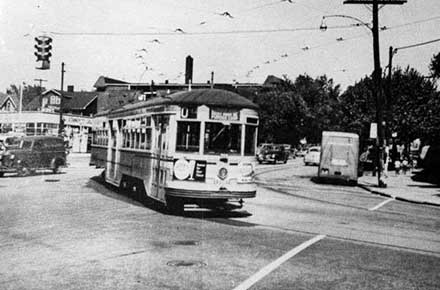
<point x="402" y="187"/>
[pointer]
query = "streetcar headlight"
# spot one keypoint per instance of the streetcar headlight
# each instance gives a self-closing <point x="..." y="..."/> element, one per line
<point x="246" y="169"/>
<point x="273" y="156"/>
<point x="181" y="169"/>
<point x="222" y="173"/>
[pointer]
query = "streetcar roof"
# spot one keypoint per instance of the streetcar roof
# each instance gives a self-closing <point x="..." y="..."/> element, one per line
<point x="196" y="97"/>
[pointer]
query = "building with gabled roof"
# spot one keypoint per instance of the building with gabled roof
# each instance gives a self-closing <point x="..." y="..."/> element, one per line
<point x="9" y="102"/>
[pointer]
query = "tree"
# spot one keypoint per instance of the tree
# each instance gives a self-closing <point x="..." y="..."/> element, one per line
<point x="413" y="111"/>
<point x="291" y="111"/>
<point x="29" y="92"/>
<point x="435" y="66"/>
<point x="322" y="100"/>
<point x="280" y="114"/>
<point x="357" y="106"/>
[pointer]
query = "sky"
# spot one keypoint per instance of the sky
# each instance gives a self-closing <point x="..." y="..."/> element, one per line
<point x="239" y="40"/>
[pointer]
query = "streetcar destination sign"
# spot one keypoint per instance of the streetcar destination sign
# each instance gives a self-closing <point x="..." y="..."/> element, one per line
<point x="224" y="114"/>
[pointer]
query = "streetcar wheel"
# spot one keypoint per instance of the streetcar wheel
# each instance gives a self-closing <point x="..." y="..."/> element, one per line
<point x="175" y="205"/>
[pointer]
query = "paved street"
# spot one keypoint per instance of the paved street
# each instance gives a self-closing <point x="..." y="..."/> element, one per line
<point x="71" y="231"/>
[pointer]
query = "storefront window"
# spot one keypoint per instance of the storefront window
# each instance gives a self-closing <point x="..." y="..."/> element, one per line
<point x="30" y="129"/>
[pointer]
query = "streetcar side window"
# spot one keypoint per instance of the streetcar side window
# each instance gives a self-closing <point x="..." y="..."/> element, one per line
<point x="250" y="138"/>
<point x="222" y="138"/>
<point x="188" y="136"/>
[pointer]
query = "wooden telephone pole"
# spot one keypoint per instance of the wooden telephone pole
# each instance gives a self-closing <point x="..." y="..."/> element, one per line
<point x="61" y="125"/>
<point x="377" y="77"/>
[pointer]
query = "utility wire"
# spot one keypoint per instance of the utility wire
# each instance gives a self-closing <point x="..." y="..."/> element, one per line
<point x="417" y="44"/>
<point x="200" y="32"/>
<point x="227" y="32"/>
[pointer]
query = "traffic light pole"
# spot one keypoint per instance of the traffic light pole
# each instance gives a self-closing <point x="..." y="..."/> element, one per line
<point x="61" y="125"/>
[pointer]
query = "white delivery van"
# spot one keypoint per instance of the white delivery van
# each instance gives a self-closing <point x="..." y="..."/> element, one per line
<point x="339" y="156"/>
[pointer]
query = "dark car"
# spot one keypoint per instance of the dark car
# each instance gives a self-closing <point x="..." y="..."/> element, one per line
<point x="34" y="153"/>
<point x="272" y="154"/>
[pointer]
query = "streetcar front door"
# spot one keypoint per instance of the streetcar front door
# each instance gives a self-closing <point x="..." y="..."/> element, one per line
<point x="161" y="155"/>
<point x="113" y="154"/>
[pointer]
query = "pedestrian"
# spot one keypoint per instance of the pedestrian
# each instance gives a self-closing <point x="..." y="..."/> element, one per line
<point x="397" y="165"/>
<point x="2" y="148"/>
<point x="405" y="165"/>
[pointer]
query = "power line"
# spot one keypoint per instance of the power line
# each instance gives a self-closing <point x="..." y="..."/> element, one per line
<point x="417" y="44"/>
<point x="227" y="32"/>
<point x="198" y="33"/>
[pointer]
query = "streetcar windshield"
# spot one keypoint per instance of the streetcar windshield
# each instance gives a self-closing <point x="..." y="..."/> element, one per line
<point x="188" y="136"/>
<point x="222" y="138"/>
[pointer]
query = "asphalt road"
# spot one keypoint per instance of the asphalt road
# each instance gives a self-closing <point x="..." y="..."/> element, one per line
<point x="71" y="231"/>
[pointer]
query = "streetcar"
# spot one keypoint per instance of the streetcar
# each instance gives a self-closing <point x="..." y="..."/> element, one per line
<point x="194" y="147"/>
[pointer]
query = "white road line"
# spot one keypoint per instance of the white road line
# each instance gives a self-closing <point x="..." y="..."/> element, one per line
<point x="275" y="264"/>
<point x="381" y="204"/>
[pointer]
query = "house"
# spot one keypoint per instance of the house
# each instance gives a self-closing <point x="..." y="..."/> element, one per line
<point x="9" y="103"/>
<point x="76" y="103"/>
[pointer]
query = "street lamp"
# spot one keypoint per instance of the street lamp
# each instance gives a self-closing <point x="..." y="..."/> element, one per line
<point x="359" y="22"/>
<point x="377" y="75"/>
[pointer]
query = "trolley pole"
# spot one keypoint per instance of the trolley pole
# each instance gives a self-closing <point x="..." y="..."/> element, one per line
<point x="61" y="125"/>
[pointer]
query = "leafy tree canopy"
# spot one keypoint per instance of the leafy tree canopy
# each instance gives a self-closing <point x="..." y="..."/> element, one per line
<point x="29" y="92"/>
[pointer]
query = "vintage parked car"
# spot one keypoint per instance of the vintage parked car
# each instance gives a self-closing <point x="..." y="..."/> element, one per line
<point x="9" y="140"/>
<point x="34" y="153"/>
<point x="313" y="156"/>
<point x="273" y="153"/>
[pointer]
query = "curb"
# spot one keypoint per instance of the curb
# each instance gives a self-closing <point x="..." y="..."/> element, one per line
<point x="367" y="188"/>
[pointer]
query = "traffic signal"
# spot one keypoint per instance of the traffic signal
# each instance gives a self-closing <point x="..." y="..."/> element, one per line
<point x="43" y="53"/>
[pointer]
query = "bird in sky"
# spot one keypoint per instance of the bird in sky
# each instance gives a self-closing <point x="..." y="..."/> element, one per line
<point x="284" y="55"/>
<point x="139" y="56"/>
<point x="202" y="23"/>
<point x="156" y="41"/>
<point x="290" y="1"/>
<point x="339" y="39"/>
<point x="305" y="48"/>
<point x="179" y="30"/>
<point x="227" y="14"/>
<point x="143" y="49"/>
<point x="267" y="62"/>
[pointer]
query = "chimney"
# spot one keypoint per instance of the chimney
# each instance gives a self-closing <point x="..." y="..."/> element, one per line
<point x="70" y="89"/>
<point x="188" y="69"/>
<point x="212" y="80"/>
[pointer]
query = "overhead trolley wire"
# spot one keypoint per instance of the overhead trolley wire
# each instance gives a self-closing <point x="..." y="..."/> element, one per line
<point x="417" y="44"/>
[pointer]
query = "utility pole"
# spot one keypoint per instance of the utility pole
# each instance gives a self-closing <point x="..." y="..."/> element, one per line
<point x="377" y="77"/>
<point x="40" y="81"/>
<point x="61" y="125"/>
